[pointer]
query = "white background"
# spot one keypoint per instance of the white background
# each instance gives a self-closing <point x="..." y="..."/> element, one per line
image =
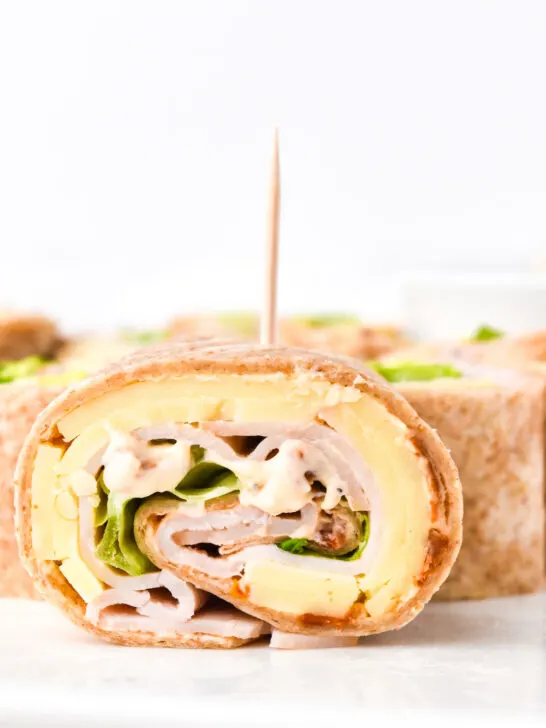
<point x="134" y="148"/>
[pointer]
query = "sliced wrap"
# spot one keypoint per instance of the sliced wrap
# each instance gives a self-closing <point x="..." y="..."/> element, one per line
<point x="26" y="387"/>
<point x="487" y="346"/>
<point x="93" y="352"/>
<point x="341" y="334"/>
<point x="23" y="335"/>
<point x="334" y="333"/>
<point x="20" y="404"/>
<point x="204" y="496"/>
<point x="491" y="421"/>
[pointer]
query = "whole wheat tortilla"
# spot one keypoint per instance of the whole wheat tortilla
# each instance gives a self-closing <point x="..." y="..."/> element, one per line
<point x="495" y="436"/>
<point x="343" y="338"/>
<point x="354" y="340"/>
<point x="23" y="335"/>
<point x="174" y="360"/>
<point x="20" y="404"/>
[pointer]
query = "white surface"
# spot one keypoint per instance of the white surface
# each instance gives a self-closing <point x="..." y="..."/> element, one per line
<point x="135" y="140"/>
<point x="452" y="307"/>
<point x="479" y="662"/>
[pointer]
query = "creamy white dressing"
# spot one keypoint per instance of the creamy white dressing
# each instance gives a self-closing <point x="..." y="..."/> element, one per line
<point x="133" y="468"/>
<point x="136" y="469"/>
<point x="282" y="484"/>
<point x="278" y="485"/>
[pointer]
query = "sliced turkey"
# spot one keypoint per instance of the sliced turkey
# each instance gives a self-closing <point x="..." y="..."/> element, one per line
<point x="219" y="622"/>
<point x="275" y="476"/>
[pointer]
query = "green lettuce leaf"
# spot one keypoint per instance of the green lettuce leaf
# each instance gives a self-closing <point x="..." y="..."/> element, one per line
<point x="27" y="367"/>
<point x="145" y="337"/>
<point x="303" y="547"/>
<point x="240" y="322"/>
<point x="118" y="547"/>
<point x="206" y="481"/>
<point x="486" y="333"/>
<point x="319" y="321"/>
<point x="414" y="372"/>
<point x="295" y="545"/>
<point x="357" y="553"/>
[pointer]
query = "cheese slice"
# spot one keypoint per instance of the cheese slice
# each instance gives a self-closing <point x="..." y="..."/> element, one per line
<point x="83" y="581"/>
<point x="297" y="591"/>
<point x="257" y="409"/>
<point x="54" y="528"/>
<point x="43" y="508"/>
<point x="404" y="510"/>
<point x="220" y="387"/>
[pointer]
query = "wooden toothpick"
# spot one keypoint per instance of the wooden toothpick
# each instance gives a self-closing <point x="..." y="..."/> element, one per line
<point x="268" y="333"/>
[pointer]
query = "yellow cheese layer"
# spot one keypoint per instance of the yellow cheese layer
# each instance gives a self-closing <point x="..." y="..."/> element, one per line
<point x="54" y="527"/>
<point x="83" y="581"/>
<point x="404" y="516"/>
<point x="221" y="387"/>
<point x="54" y="523"/>
<point x="293" y="590"/>
<point x="43" y="500"/>
<point x="402" y="513"/>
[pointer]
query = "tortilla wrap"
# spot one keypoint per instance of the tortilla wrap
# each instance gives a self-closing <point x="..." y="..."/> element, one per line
<point x="494" y="433"/>
<point x="20" y="404"/>
<point x="499" y="450"/>
<point x="23" y="335"/>
<point x="202" y="496"/>
<point x="339" y="334"/>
